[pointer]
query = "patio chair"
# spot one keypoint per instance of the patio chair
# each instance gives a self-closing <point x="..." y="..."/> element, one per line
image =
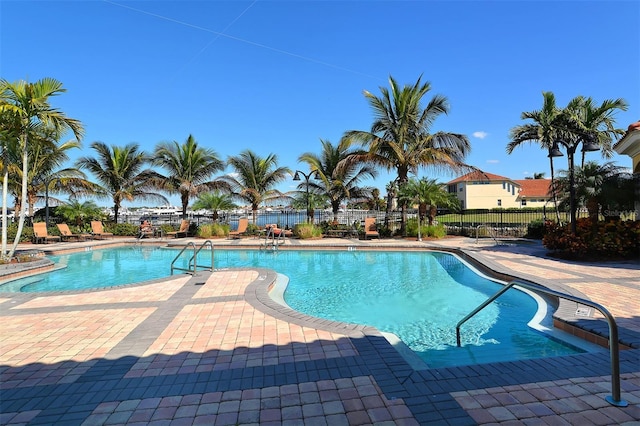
<point x="66" y="233"/>
<point x="182" y="232"/>
<point x="243" y="223"/>
<point x="40" y="233"/>
<point x="97" y="230"/>
<point x="370" y="228"/>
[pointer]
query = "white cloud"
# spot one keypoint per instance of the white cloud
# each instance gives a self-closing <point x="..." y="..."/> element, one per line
<point x="480" y="134"/>
<point x="493" y="161"/>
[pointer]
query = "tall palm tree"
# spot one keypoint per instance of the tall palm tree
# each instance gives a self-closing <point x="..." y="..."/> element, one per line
<point x="595" y="123"/>
<point x="122" y="174"/>
<point x="214" y="201"/>
<point x="545" y="129"/>
<point x="255" y="178"/>
<point x="45" y="175"/>
<point x="28" y="104"/>
<point x="400" y="140"/>
<point x="9" y="136"/>
<point x="189" y="167"/>
<point x="338" y="175"/>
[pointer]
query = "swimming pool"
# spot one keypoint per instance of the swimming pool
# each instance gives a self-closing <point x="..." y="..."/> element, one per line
<point x="417" y="296"/>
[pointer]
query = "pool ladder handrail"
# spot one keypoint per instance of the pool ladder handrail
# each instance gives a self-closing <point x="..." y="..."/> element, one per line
<point x="275" y="240"/>
<point x="614" y="398"/>
<point x="193" y="261"/>
<point x="488" y="232"/>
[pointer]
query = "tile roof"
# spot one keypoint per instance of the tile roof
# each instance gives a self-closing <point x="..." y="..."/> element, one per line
<point x="534" y="187"/>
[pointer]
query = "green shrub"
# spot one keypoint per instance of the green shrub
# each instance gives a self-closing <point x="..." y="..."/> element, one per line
<point x="213" y="230"/>
<point x="604" y="240"/>
<point x="25" y="236"/>
<point x="433" y="231"/>
<point x="307" y="230"/>
<point x="252" y="229"/>
<point x="122" y="229"/>
<point x="535" y="229"/>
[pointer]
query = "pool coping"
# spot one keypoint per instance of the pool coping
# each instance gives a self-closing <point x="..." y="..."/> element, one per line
<point x="568" y="316"/>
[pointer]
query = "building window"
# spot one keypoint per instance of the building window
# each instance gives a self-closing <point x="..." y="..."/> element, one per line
<point x="460" y="188"/>
<point x="523" y="202"/>
<point x="499" y="202"/>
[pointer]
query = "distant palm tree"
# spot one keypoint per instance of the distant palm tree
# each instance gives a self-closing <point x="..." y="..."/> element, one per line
<point x="536" y="176"/>
<point x="429" y="195"/>
<point x="79" y="213"/>
<point x="392" y="193"/>
<point x="338" y="174"/>
<point x="255" y="178"/>
<point x="190" y="168"/>
<point x="400" y="137"/>
<point x="214" y="201"/>
<point x="28" y="108"/>
<point x="122" y="174"/>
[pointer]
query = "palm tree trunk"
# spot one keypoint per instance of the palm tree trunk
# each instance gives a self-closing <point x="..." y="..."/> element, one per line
<point x="5" y="191"/>
<point x="553" y="193"/>
<point x="23" y="203"/>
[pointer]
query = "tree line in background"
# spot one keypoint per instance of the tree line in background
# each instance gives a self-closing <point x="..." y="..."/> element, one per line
<point x="400" y="140"/>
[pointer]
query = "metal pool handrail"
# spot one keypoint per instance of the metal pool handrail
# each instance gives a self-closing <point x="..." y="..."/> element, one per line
<point x="192" y="267"/>
<point x="614" y="398"/>
<point x="488" y="232"/>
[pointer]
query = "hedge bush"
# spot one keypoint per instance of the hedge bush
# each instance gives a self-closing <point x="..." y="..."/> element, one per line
<point x="604" y="240"/>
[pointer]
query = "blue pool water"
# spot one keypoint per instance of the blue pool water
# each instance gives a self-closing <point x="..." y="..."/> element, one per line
<point x="418" y="296"/>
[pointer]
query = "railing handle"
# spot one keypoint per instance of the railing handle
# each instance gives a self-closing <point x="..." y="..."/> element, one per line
<point x="614" y="345"/>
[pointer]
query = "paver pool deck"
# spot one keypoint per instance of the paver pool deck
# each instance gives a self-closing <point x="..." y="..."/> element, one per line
<point x="215" y="349"/>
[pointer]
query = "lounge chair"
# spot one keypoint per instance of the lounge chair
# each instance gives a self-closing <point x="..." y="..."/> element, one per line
<point x="97" y="230"/>
<point x="243" y="223"/>
<point x="66" y="233"/>
<point x="370" y="228"/>
<point x="40" y="233"/>
<point x="182" y="232"/>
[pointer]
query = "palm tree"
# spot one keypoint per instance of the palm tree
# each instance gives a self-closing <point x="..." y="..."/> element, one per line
<point x="214" y="201"/>
<point x="399" y="138"/>
<point x="255" y="178"/>
<point x="46" y="156"/>
<point x="121" y="173"/>
<point x="536" y="176"/>
<point x="587" y="121"/>
<point x="28" y="104"/>
<point x="545" y="130"/>
<point x="190" y="168"/>
<point x="338" y="175"/>
<point x="78" y="212"/>
<point x="9" y="125"/>
<point x="428" y="194"/>
<point x="596" y="186"/>
<point x="392" y="192"/>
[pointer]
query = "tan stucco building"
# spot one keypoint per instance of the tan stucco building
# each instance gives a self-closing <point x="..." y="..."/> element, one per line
<point x="482" y="190"/>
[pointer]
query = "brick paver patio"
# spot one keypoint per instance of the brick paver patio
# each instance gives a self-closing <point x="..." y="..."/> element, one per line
<point x="214" y="349"/>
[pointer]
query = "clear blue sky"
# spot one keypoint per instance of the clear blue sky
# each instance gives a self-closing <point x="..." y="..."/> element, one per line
<point x="276" y="76"/>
